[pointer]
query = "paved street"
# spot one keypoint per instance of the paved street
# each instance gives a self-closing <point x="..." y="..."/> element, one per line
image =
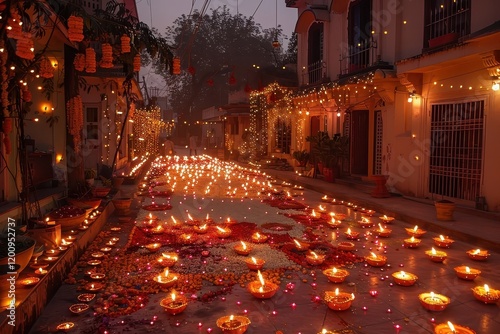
<point x="215" y="283"/>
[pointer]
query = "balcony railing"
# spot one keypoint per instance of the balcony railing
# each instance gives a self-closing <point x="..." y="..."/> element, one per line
<point x="358" y="57"/>
<point x="447" y="23"/>
<point x="314" y="73"/>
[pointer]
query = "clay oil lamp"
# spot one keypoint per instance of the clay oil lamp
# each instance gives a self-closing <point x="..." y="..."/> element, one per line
<point x="404" y="279"/>
<point x="415" y="232"/>
<point x="259" y="238"/>
<point x="66" y="242"/>
<point x="41" y="272"/>
<point x="97" y="255"/>
<point x="365" y="222"/>
<point x="52" y="252"/>
<point x="386" y="219"/>
<point x="338" y="216"/>
<point x="383" y="232"/>
<point x="346" y="246"/>
<point x="94" y="262"/>
<point x="158" y="229"/>
<point x="110" y="243"/>
<point x="29" y="281"/>
<point x="70" y="238"/>
<point x="443" y="242"/>
<point x="314" y="216"/>
<point x="321" y="209"/>
<point x="153" y="247"/>
<point x="201" y="229"/>
<point x="262" y="289"/>
<point x="300" y="245"/>
<point x="436" y="256"/>
<point x="186" y="238"/>
<point x="174" y="304"/>
<point x="115" y="229"/>
<point x="115" y="239"/>
<point x="333" y="223"/>
<point x="84" y="227"/>
<point x="191" y="221"/>
<point x="486" y="294"/>
<point x="450" y="328"/>
<point x="151" y="216"/>
<point x="325" y="199"/>
<point x="242" y="248"/>
<point x="106" y="249"/>
<point x="93" y="287"/>
<point x="175" y="223"/>
<point x="50" y="259"/>
<point x="336" y="275"/>
<point x="233" y="324"/>
<point x="97" y="276"/>
<point x="65" y="327"/>
<point x="338" y="301"/>
<point x="315" y="259"/>
<point x="166" y="279"/>
<point x="86" y="297"/>
<point x="478" y="254"/>
<point x="467" y="273"/>
<point x="230" y="221"/>
<point x="167" y="259"/>
<point x="208" y="220"/>
<point x="375" y="260"/>
<point x="411" y="242"/>
<point x="223" y="232"/>
<point x="78" y="308"/>
<point x="335" y="202"/>
<point x="351" y="235"/>
<point x="433" y="301"/>
<point x="254" y="263"/>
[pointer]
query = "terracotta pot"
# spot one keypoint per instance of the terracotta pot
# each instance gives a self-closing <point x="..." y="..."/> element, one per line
<point x="444" y="210"/>
<point x="122" y="203"/>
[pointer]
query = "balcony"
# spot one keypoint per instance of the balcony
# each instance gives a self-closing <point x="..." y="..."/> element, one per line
<point x="447" y="23"/>
<point x="314" y="73"/>
<point x="359" y="58"/>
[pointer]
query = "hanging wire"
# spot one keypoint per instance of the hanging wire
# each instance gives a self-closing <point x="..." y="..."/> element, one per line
<point x="251" y="17"/>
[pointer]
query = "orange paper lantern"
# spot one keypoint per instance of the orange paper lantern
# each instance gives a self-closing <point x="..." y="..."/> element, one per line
<point x="107" y="56"/>
<point x="75" y="28"/>
<point x="79" y="62"/>
<point x="176" y="66"/>
<point x="125" y="43"/>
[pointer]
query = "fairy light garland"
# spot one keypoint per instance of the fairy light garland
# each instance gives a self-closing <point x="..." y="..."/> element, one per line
<point x="147" y="125"/>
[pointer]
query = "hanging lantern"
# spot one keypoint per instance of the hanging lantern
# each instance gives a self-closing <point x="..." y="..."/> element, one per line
<point x="176" y="66"/>
<point x="125" y="43"/>
<point x="107" y="56"/>
<point x="137" y="63"/>
<point x="75" y="28"/>
<point x="90" y="62"/>
<point x="46" y="68"/>
<point x="276" y="44"/>
<point x="24" y="47"/>
<point x="79" y="62"/>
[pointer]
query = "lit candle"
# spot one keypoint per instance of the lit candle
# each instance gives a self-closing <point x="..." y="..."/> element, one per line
<point x="436" y="256"/>
<point x="467" y="273"/>
<point x="433" y="301"/>
<point x="336" y="275"/>
<point x="449" y="328"/>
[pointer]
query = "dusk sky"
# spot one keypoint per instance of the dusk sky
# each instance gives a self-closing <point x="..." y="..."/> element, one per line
<point x="162" y="13"/>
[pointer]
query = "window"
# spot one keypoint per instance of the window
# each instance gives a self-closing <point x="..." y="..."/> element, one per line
<point x="446" y="21"/>
<point x="360" y="28"/>
<point x="92" y="119"/>
<point x="283" y="135"/>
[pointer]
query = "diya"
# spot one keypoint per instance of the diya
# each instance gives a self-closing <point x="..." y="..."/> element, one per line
<point x="187" y="238"/>
<point x="449" y="328"/>
<point x="233" y="324"/>
<point x="29" y="281"/>
<point x="338" y="216"/>
<point x="65" y="326"/>
<point x="97" y="276"/>
<point x="467" y="273"/>
<point x="411" y="242"/>
<point x="201" y="229"/>
<point x="86" y="297"/>
<point x="338" y="301"/>
<point x="94" y="262"/>
<point x="321" y="208"/>
<point x="93" y="287"/>
<point x="415" y="232"/>
<point x="78" y="308"/>
<point x="262" y="289"/>
<point x="404" y="279"/>
<point x="191" y="221"/>
<point x="106" y="249"/>
<point x="442" y="241"/>
<point x="242" y="248"/>
<point x="314" y="216"/>
<point x="254" y="264"/>
<point x="478" y="254"/>
<point x="334" y="223"/>
<point x="174" y="304"/>
<point x="325" y="199"/>
<point x="223" y="232"/>
<point x="154" y="247"/>
<point x="365" y="222"/>
<point x="97" y="255"/>
<point x="382" y="232"/>
<point x="436" y="256"/>
<point x="486" y="294"/>
<point x="300" y="245"/>
<point x="346" y="246"/>
<point x="351" y="235"/>
<point x="259" y="238"/>
<point x="375" y="260"/>
<point x="336" y="275"/>
<point x="158" y="229"/>
<point x="52" y="252"/>
<point x="433" y="301"/>
<point x="41" y="272"/>
<point x="386" y="219"/>
<point x="208" y="220"/>
<point x="167" y="259"/>
<point x="166" y="279"/>
<point x="314" y="259"/>
<point x="50" y="259"/>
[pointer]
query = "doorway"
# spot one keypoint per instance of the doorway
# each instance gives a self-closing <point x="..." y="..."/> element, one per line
<point x="359" y="142"/>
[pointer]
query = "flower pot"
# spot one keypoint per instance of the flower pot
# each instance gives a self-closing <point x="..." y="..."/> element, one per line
<point x="328" y="174"/>
<point x="380" y="190"/>
<point x="443" y="39"/>
<point x="117" y="182"/>
<point x="122" y="204"/>
<point x="444" y="210"/>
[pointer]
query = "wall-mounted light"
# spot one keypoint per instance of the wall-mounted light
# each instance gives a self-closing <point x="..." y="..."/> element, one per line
<point x="59" y="157"/>
<point x="53" y="62"/>
<point x="495" y="86"/>
<point x="410" y="98"/>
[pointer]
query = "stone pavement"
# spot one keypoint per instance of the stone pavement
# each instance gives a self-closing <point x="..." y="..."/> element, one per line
<point x="380" y="306"/>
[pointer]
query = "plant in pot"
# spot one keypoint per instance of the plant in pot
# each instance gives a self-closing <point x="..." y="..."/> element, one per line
<point x="319" y="148"/>
<point x="89" y="175"/>
<point x="302" y="157"/>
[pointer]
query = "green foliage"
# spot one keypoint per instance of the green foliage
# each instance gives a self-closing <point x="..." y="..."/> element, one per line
<point x="301" y="156"/>
<point x="329" y="151"/>
<point x="90" y="173"/>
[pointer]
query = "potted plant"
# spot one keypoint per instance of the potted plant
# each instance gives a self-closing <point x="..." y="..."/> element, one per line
<point x="319" y="148"/>
<point x="89" y="175"/>
<point x="302" y="157"/>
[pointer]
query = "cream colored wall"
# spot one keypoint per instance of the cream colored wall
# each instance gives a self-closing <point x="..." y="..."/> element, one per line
<point x="410" y="36"/>
<point x="483" y="13"/>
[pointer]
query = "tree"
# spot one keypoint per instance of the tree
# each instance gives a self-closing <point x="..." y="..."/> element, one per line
<point x="291" y="52"/>
<point x="219" y="52"/>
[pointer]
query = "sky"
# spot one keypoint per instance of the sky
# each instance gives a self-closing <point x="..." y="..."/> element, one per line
<point x="162" y="13"/>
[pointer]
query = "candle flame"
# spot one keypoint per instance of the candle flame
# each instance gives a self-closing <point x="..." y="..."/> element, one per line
<point x="467" y="270"/>
<point x="231" y="317"/>
<point x="203" y="227"/>
<point x="254" y="260"/>
<point x="364" y="220"/>
<point x="323" y="331"/>
<point x="433" y="251"/>
<point x="297" y="243"/>
<point x="173" y="219"/>
<point x="313" y="213"/>
<point x="173" y="296"/>
<point x="261" y="279"/>
<point x="336" y="291"/>
<point x="207" y="218"/>
<point x="189" y="216"/>
<point x="348" y="230"/>
<point x="374" y="255"/>
<point x="432" y="294"/>
<point x="159" y="278"/>
<point x="315" y="255"/>
<point x="385" y="217"/>
<point x="257" y="235"/>
<point x="412" y="238"/>
<point x="486" y="288"/>
<point x="92" y="286"/>
<point x="324" y="197"/>
<point x="221" y="229"/>
<point x="321" y="207"/>
<point x="477" y="251"/>
<point x="403" y="274"/>
<point x="244" y="245"/>
<point x="166" y="273"/>
<point x="381" y="229"/>
<point x="415" y="228"/>
<point x="352" y="296"/>
<point x="40" y="270"/>
<point x="441" y="237"/>
<point x="228" y="219"/>
<point x="452" y="328"/>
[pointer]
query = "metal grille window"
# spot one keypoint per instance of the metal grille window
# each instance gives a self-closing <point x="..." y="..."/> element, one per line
<point x="456" y="150"/>
<point x="451" y="18"/>
<point x="377" y="156"/>
<point x="346" y="132"/>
